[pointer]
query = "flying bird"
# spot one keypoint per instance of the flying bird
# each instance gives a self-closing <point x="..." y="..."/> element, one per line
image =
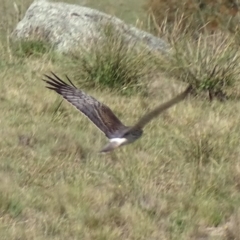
<point x="103" y="117"/>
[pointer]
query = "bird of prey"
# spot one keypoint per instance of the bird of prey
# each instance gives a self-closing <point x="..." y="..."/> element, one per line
<point x="103" y="117"/>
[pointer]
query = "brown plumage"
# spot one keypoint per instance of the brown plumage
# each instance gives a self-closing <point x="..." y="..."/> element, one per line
<point x="103" y="117"/>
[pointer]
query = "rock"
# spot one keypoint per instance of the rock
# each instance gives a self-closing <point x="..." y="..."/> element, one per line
<point x="66" y="25"/>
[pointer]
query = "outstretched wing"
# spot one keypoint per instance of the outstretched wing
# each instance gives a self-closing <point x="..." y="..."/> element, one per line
<point x="100" y="114"/>
<point x="155" y="112"/>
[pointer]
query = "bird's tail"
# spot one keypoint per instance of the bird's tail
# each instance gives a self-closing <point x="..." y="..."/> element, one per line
<point x="109" y="147"/>
<point x="114" y="143"/>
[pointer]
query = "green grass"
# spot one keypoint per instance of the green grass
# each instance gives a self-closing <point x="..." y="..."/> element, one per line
<point x="180" y="181"/>
<point x="113" y="62"/>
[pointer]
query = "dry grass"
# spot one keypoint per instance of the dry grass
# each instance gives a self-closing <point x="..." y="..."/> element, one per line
<point x="113" y="62"/>
<point x="200" y="16"/>
<point x="181" y="180"/>
<point x="209" y="63"/>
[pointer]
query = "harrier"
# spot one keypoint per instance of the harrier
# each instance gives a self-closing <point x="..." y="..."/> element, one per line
<point x="103" y="117"/>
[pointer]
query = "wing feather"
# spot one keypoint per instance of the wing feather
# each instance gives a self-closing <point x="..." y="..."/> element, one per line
<point x="155" y="112"/>
<point x="100" y="114"/>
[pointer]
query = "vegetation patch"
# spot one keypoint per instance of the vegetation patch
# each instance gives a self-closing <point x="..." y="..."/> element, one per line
<point x="113" y="62"/>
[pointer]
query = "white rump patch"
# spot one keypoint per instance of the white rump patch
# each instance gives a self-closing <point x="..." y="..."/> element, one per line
<point x="120" y="141"/>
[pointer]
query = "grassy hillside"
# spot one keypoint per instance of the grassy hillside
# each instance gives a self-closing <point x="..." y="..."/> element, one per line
<point x="180" y="181"/>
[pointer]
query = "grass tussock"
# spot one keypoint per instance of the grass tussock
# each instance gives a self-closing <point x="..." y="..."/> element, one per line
<point x="113" y="62"/>
<point x="31" y="48"/>
<point x="180" y="181"/>
<point x="210" y="64"/>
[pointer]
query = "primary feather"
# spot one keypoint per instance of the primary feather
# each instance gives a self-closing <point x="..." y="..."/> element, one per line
<point x="100" y="114"/>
